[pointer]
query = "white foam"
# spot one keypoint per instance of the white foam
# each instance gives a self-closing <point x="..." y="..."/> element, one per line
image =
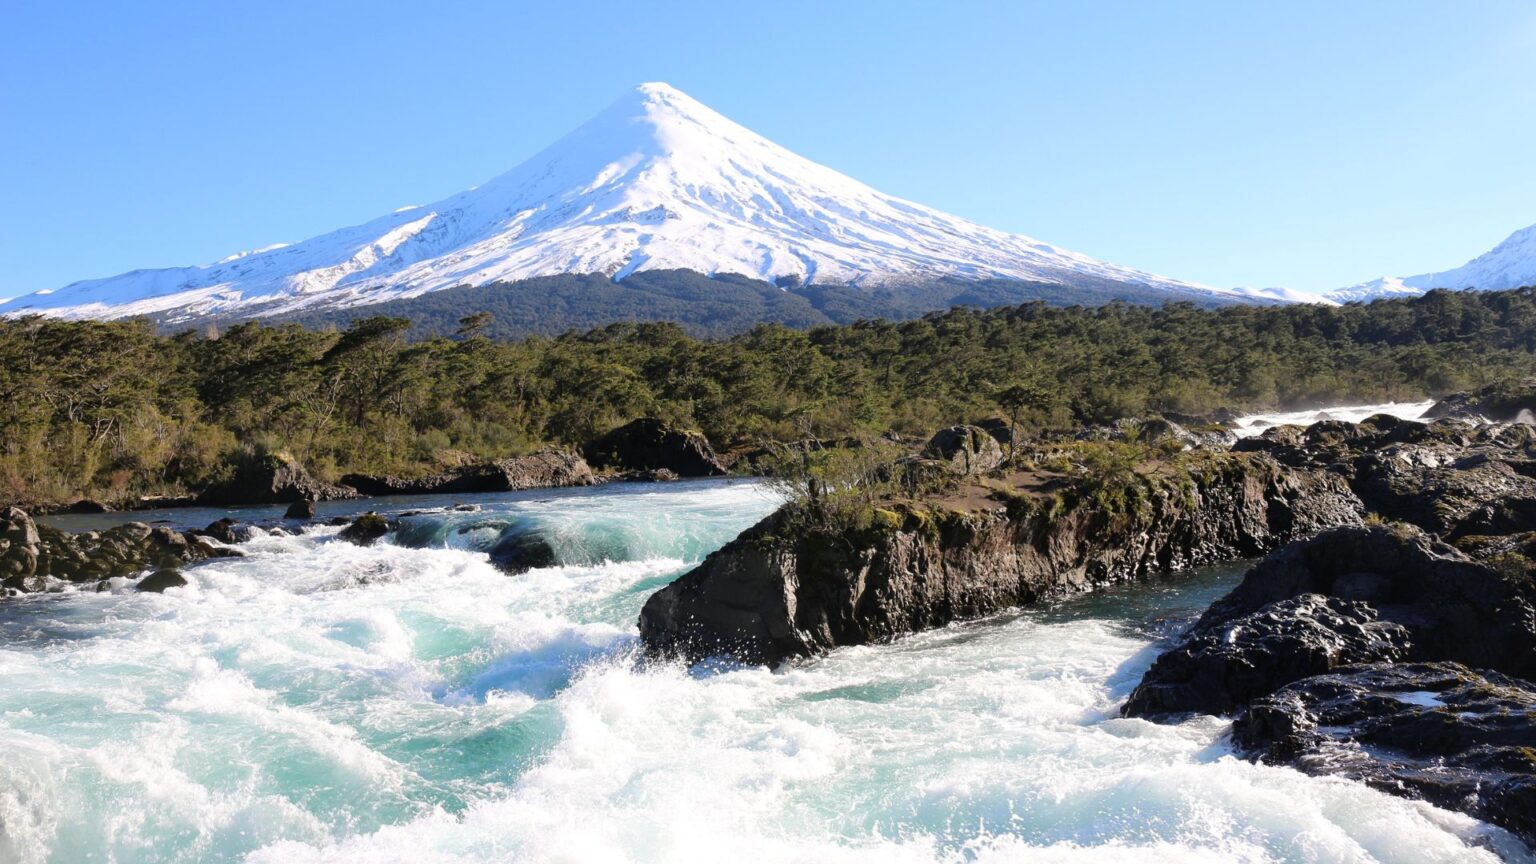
<point x="318" y="701"/>
<point x="1254" y="424"/>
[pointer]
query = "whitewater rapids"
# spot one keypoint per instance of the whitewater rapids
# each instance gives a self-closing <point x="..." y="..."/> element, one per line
<point x="320" y="702"/>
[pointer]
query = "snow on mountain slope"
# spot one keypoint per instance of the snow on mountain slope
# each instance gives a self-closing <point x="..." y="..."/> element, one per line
<point x="1511" y="264"/>
<point x="657" y="181"/>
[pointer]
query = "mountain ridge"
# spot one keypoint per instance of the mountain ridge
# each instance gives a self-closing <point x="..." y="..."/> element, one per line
<point x="657" y="181"/>
<point x="1510" y="264"/>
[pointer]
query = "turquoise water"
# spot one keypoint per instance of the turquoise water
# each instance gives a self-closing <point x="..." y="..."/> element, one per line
<point x="407" y="702"/>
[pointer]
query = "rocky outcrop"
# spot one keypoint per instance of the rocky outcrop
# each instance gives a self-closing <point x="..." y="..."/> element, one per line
<point x="543" y="470"/>
<point x="1162" y="432"/>
<point x="1504" y="402"/>
<point x="273" y="479"/>
<point x="1221" y="668"/>
<point x="1460" y="739"/>
<point x="33" y="557"/>
<point x="645" y="444"/>
<point x="1450" y="477"/>
<point x="300" y="510"/>
<point x="966" y="450"/>
<point x="1351" y="595"/>
<point x="798" y="584"/>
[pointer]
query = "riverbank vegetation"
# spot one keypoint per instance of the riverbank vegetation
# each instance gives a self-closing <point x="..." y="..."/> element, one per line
<point x="115" y="409"/>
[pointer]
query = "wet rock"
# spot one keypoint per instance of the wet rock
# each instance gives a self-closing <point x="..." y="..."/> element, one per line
<point x="519" y="553"/>
<point x="300" y="510"/>
<point x="1350" y="595"/>
<point x="543" y="470"/>
<point x="652" y="475"/>
<point x="366" y="529"/>
<point x="227" y="530"/>
<point x="795" y="585"/>
<point x="1460" y="739"/>
<point x="1455" y="608"/>
<point x="967" y="450"/>
<point x="1220" y="668"/>
<point x="31" y="554"/>
<point x="158" y="581"/>
<point x="649" y="443"/>
<point x="273" y="479"/>
<point x="1503" y="402"/>
<point x="87" y="505"/>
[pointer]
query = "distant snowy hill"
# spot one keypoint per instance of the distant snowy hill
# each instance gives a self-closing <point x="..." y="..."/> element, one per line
<point x="1511" y="264"/>
<point x="658" y="181"/>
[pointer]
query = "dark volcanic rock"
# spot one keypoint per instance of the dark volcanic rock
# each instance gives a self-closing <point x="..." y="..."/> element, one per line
<point x="1504" y="402"/>
<point x="1449" y="476"/>
<point x="1220" y="668"/>
<point x="273" y="479"/>
<point x="1391" y="593"/>
<point x="31" y="554"/>
<point x="366" y="529"/>
<point x="1454" y="608"/>
<point x="160" y="580"/>
<point x="543" y="470"/>
<point x="967" y="450"/>
<point x="227" y="530"/>
<point x="1459" y="739"/>
<point x="300" y="510"/>
<point x="649" y="443"/>
<point x="519" y="553"/>
<point x="793" y="586"/>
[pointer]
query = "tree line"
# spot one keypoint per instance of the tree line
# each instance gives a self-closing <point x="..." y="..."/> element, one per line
<point x="116" y="409"/>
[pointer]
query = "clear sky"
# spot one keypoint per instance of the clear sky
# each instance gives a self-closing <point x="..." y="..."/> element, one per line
<point x="1304" y="144"/>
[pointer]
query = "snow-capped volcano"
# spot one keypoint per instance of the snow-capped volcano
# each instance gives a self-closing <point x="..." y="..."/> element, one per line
<point x="1511" y="264"/>
<point x="657" y="181"/>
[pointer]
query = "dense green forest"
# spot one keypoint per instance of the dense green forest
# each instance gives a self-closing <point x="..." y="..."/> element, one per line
<point x="717" y="306"/>
<point x="114" y="409"/>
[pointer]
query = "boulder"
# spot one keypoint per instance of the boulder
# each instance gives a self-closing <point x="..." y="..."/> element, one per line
<point x="648" y="443"/>
<point x="227" y="530"/>
<point x="87" y="505"/>
<point x="968" y="450"/>
<point x="19" y="543"/>
<point x="1350" y="595"/>
<point x="1457" y="738"/>
<point x="300" y="510"/>
<point x="31" y="554"/>
<point x="521" y="552"/>
<point x="158" y="581"/>
<point x="366" y="529"/>
<point x="273" y="479"/>
<point x="1219" y="669"/>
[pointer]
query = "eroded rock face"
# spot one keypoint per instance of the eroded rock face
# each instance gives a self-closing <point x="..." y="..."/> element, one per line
<point x="273" y="479"/>
<point x="647" y="443"/>
<point x="1450" y="477"/>
<point x="790" y="587"/>
<point x="1453" y="608"/>
<point x="1504" y="402"/>
<point x="1458" y="738"/>
<point x="32" y="554"/>
<point x="543" y="470"/>
<point x="1218" y="669"/>
<point x="967" y="450"/>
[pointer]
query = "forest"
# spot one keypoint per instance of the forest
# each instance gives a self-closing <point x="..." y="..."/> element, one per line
<point x="118" y="409"/>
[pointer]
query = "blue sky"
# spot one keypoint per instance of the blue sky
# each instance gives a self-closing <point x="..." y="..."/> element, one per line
<point x="1303" y="144"/>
